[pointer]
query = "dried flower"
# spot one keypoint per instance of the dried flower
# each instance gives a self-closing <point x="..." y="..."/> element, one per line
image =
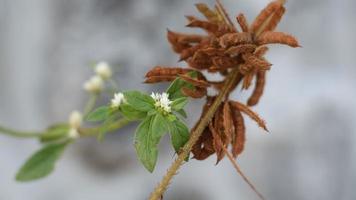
<point x="222" y="49"/>
<point x="75" y="121"/>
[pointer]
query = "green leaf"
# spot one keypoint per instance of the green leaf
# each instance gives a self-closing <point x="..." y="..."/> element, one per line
<point x="182" y="113"/>
<point x="147" y="137"/>
<point x="41" y="163"/>
<point x="179" y="135"/>
<point x="139" y="101"/>
<point x="131" y="113"/>
<point x="179" y="103"/>
<point x="174" y="90"/>
<point x="55" y="132"/>
<point x="100" y="114"/>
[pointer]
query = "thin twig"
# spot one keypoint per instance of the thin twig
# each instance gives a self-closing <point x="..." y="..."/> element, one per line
<point x="195" y="134"/>
<point x="236" y="166"/>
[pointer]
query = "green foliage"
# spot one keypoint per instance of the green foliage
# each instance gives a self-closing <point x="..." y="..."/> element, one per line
<point x="99" y="114"/>
<point x="41" y="163"/>
<point x="174" y="90"/>
<point x="139" y="101"/>
<point x="179" y="134"/>
<point x="55" y="133"/>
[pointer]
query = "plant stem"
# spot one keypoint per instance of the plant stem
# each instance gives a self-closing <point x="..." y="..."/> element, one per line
<point x="95" y="130"/>
<point x="90" y="104"/>
<point x="195" y="134"/>
<point x="19" y="134"/>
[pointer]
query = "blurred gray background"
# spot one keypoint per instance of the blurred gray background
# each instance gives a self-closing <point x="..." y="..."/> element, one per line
<point x="46" y="48"/>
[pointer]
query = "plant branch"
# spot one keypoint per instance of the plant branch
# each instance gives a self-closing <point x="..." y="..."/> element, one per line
<point x="195" y="134"/>
<point x="95" y="130"/>
<point x="19" y="134"/>
<point x="90" y="104"/>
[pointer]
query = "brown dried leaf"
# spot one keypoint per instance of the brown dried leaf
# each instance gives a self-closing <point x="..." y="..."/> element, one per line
<point x="259" y="87"/>
<point x="277" y="38"/>
<point x="247" y="80"/>
<point x="258" y="63"/>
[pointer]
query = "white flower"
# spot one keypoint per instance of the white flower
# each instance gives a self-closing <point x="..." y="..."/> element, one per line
<point x="75" y="119"/>
<point x="117" y="100"/>
<point x="73" y="133"/>
<point x="103" y="70"/>
<point x="162" y="101"/>
<point x="94" y="84"/>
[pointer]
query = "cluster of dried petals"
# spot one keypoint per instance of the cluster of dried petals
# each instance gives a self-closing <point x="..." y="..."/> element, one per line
<point x="222" y="49"/>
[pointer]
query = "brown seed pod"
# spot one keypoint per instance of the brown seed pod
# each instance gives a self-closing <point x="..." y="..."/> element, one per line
<point x="221" y="10"/>
<point x="222" y="63"/>
<point x="204" y="147"/>
<point x="209" y="14"/>
<point x="264" y="15"/>
<point x="205" y="25"/>
<point x="240" y="49"/>
<point x="259" y="63"/>
<point x="157" y="79"/>
<point x="260" y="51"/>
<point x="239" y="139"/>
<point x="277" y="38"/>
<point x="189" y="52"/>
<point x="245" y="68"/>
<point x="195" y="82"/>
<point x="218" y="143"/>
<point x="232" y="39"/>
<point x="275" y="19"/>
<point x="247" y="80"/>
<point x="241" y="19"/>
<point x="176" y="45"/>
<point x="196" y="93"/>
<point x="227" y="122"/>
<point x="167" y="71"/>
<point x="254" y="116"/>
<point x="259" y="87"/>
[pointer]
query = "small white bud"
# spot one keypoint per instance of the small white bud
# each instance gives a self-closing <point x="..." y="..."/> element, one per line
<point x="117" y="100"/>
<point x="75" y="119"/>
<point x="103" y="70"/>
<point x="94" y="84"/>
<point x="73" y="133"/>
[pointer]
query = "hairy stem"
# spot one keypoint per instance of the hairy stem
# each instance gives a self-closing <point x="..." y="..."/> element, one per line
<point x="19" y="134"/>
<point x="195" y="134"/>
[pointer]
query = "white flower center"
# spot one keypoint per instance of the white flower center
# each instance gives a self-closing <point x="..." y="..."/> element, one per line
<point x="162" y="101"/>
